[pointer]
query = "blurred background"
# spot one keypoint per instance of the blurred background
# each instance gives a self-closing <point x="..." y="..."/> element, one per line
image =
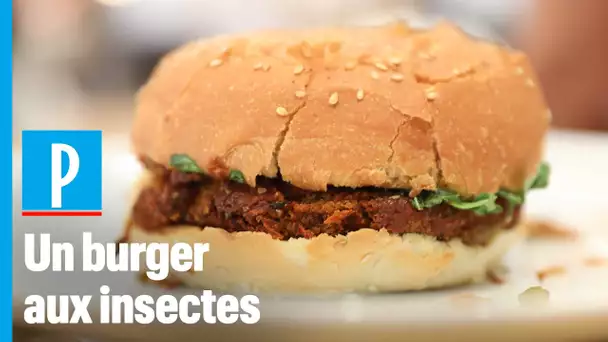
<point x="77" y="63"/>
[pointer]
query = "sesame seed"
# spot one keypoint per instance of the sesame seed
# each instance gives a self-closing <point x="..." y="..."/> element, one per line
<point x="431" y="93"/>
<point x="298" y="69"/>
<point x="519" y="70"/>
<point x="300" y="93"/>
<point x="215" y="63"/>
<point x="306" y="49"/>
<point x="424" y="55"/>
<point x="456" y="71"/>
<point x="374" y="75"/>
<point x="258" y="66"/>
<point x="394" y="60"/>
<point x="360" y="94"/>
<point x="366" y="258"/>
<point x="333" y="47"/>
<point x="530" y="82"/>
<point x="381" y="66"/>
<point x="350" y="65"/>
<point x="484" y="132"/>
<point x="397" y="77"/>
<point x="266" y="67"/>
<point x="333" y="99"/>
<point x="227" y="51"/>
<point x="364" y="58"/>
<point x="281" y="111"/>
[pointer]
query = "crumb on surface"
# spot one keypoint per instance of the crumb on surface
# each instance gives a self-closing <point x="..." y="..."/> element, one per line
<point x="548" y="229"/>
<point x="496" y="277"/>
<point x="549" y="272"/>
<point x="534" y="296"/>
<point x="596" y="262"/>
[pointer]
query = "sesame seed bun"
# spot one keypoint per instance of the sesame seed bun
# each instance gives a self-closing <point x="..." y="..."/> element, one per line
<point x="385" y="106"/>
<point x="365" y="260"/>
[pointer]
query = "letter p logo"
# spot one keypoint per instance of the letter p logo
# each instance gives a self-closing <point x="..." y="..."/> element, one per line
<point x="61" y="173"/>
<point x="58" y="181"/>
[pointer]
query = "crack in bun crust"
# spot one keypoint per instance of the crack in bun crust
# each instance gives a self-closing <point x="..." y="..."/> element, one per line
<point x="380" y="106"/>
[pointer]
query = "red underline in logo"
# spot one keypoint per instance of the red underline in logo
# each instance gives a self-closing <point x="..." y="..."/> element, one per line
<point x="61" y="213"/>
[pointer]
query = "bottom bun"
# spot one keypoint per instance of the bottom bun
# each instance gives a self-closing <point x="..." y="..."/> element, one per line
<point x="365" y="260"/>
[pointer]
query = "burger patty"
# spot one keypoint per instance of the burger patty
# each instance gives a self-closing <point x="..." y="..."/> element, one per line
<point x="283" y="211"/>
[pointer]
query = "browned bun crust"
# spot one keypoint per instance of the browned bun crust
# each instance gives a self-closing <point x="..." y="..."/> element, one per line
<point x="384" y="106"/>
<point x="365" y="260"/>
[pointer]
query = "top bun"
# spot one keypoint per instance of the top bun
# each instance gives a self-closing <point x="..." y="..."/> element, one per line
<point x="384" y="106"/>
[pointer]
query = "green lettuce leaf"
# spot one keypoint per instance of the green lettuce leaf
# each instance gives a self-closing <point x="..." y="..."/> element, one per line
<point x="236" y="176"/>
<point x="485" y="203"/>
<point x="513" y="198"/>
<point x="184" y="163"/>
<point x="541" y="180"/>
<point x="482" y="204"/>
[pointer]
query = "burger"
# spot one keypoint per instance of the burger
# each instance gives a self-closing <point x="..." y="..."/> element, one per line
<point x="340" y="159"/>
